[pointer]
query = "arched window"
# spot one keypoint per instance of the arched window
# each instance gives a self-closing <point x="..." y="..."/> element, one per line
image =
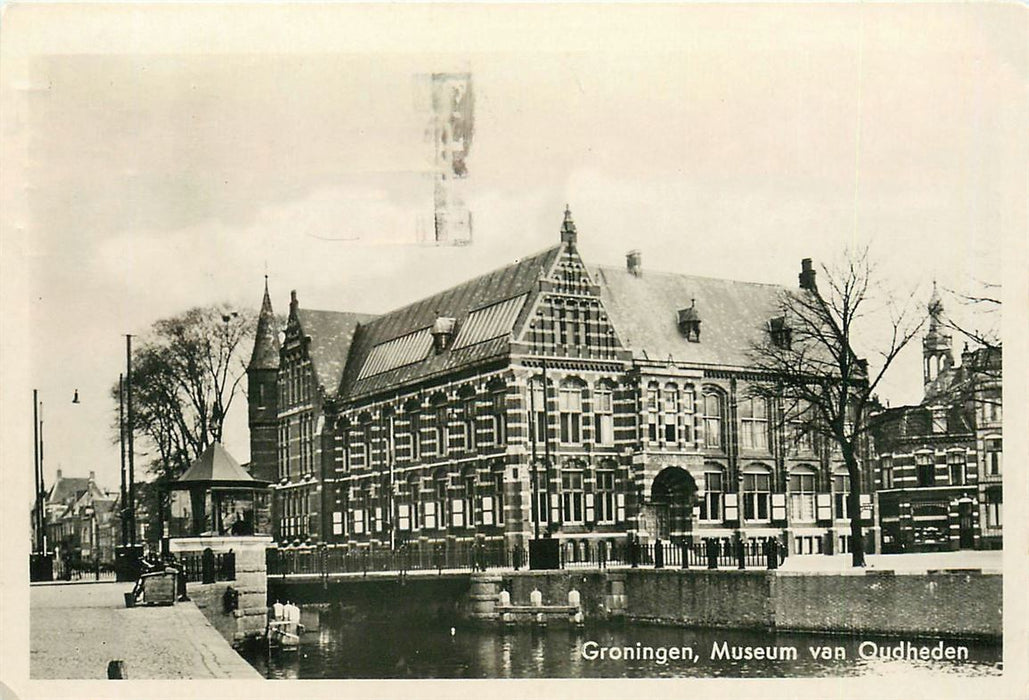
<point x="711" y="504"/>
<point x="802" y="494"/>
<point x="753" y="424"/>
<point x="712" y="420"/>
<point x="603" y="414"/>
<point x="757" y="489"/>
<point x="570" y="410"/>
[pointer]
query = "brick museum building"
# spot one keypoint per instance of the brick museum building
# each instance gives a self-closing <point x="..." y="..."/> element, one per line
<point x="625" y="388"/>
<point x="939" y="465"/>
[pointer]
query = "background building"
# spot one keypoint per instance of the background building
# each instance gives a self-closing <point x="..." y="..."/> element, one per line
<point x="939" y="464"/>
<point x="587" y="402"/>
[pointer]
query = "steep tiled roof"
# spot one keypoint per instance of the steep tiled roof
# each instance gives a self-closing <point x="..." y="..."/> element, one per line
<point x="472" y="297"/>
<point x="266" y="338"/>
<point x="69" y="487"/>
<point x="331" y="333"/>
<point x="644" y="310"/>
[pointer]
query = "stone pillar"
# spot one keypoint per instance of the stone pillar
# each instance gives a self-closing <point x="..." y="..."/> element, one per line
<point x="482" y="596"/>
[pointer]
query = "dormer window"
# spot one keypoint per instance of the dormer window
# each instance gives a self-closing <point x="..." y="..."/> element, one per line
<point x="443" y="333"/>
<point x="780" y="332"/>
<point x="689" y="322"/>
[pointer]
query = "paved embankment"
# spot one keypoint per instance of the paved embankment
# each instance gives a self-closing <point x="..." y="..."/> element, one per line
<point x="76" y="630"/>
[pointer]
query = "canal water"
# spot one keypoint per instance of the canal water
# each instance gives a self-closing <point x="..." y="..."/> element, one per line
<point x="340" y="649"/>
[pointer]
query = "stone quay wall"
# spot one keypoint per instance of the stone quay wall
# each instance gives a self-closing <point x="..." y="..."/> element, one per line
<point x="947" y="604"/>
<point x="967" y="604"/>
<point x="250" y="618"/>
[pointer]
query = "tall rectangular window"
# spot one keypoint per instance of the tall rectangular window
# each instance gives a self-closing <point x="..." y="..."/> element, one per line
<point x="994" y="456"/>
<point x="538" y="406"/>
<point x="468" y="422"/>
<point x="841" y="493"/>
<point x="498" y="416"/>
<point x="688" y="400"/>
<point x="802" y="497"/>
<point x="603" y="416"/>
<point x="605" y="497"/>
<point x="886" y="471"/>
<point x="571" y="496"/>
<point x="712" y="421"/>
<point x="441" y="429"/>
<point x="925" y="469"/>
<point x="757" y="488"/>
<point x="570" y="409"/>
<point x="754" y="424"/>
<point x="670" y="413"/>
<point x="652" y="412"/>
<point x="711" y="504"/>
<point x="956" y="468"/>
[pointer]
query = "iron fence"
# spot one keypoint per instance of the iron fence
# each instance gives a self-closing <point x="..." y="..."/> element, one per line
<point x="707" y="553"/>
<point x="208" y="567"/>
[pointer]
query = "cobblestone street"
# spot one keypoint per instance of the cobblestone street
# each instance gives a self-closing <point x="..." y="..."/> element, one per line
<point x="77" y="629"/>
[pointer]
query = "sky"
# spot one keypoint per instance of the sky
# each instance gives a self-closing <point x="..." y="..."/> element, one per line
<point x="167" y="160"/>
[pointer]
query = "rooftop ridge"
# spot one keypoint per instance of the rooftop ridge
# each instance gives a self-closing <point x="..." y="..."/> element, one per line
<point x="669" y="273"/>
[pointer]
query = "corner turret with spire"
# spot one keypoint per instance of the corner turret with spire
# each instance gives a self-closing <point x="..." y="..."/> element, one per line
<point x="262" y="393"/>
<point x="937" y="344"/>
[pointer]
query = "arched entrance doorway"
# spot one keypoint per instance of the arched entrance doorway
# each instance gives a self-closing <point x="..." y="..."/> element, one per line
<point x="671" y="498"/>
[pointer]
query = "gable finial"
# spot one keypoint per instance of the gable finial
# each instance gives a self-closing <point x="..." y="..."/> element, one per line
<point x="568" y="234"/>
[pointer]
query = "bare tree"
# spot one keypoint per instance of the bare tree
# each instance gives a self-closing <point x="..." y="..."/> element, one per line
<point x="827" y="390"/>
<point x="186" y="374"/>
<point x="979" y="381"/>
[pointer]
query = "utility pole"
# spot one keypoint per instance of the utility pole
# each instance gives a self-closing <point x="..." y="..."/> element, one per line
<point x="121" y="445"/>
<point x="546" y="445"/>
<point x="37" y="465"/>
<point x="130" y="427"/>
<point x="533" y="474"/>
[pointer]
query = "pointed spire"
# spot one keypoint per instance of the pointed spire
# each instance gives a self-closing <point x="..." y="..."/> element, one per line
<point x="266" y="338"/>
<point x="568" y="234"/>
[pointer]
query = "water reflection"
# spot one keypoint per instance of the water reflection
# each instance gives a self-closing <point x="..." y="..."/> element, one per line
<point x="340" y="649"/>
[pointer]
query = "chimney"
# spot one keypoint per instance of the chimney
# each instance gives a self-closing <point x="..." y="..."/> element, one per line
<point x="443" y="333"/>
<point x="293" y="304"/>
<point x="58" y="474"/>
<point x="92" y="475"/>
<point x="807" y="275"/>
<point x="634" y="263"/>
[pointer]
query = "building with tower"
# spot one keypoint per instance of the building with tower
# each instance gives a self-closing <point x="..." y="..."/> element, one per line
<point x="547" y="396"/>
<point x="939" y="464"/>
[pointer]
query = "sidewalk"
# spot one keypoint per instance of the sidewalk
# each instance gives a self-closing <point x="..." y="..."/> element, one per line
<point x="75" y="630"/>
<point x="990" y="561"/>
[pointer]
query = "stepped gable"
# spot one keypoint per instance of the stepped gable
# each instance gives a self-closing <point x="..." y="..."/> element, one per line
<point x="644" y="310"/>
<point x="396" y="348"/>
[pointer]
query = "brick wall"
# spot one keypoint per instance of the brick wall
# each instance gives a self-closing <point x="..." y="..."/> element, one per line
<point x="701" y="598"/>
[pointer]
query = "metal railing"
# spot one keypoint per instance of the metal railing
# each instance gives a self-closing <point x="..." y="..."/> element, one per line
<point x="708" y="553"/>
<point x="208" y="567"/>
